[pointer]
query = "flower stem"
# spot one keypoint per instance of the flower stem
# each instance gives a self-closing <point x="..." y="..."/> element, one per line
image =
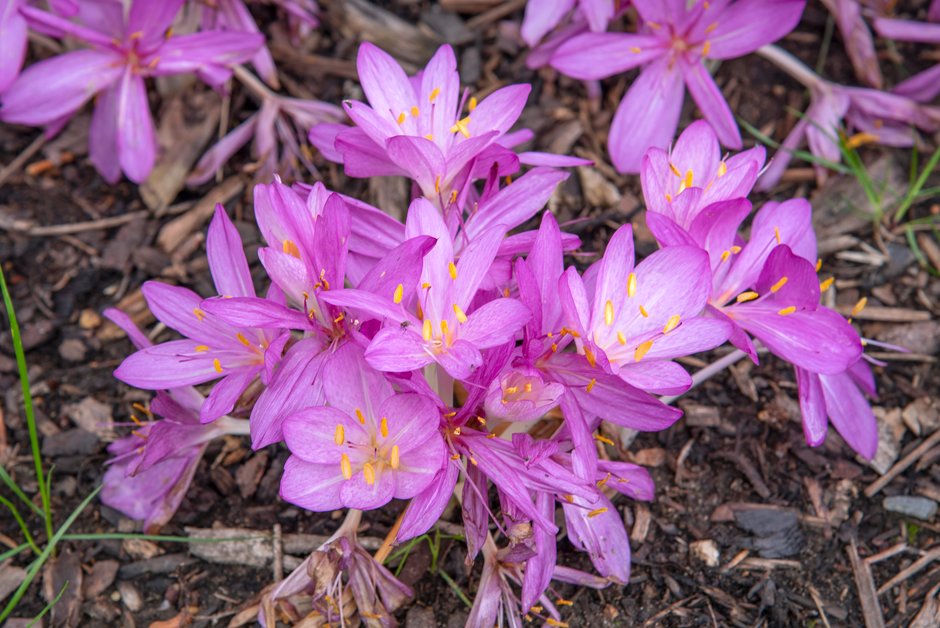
<point x="791" y="65"/>
<point x="386" y="548"/>
<point x="235" y="427"/>
<point x="709" y="371"/>
<point x="249" y="80"/>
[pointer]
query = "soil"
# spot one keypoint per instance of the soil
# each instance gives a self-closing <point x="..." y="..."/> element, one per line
<point x="699" y="558"/>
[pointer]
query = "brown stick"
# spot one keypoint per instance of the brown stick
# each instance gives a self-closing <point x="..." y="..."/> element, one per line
<point x="26" y="228"/>
<point x="871" y="610"/>
<point x="903" y="464"/>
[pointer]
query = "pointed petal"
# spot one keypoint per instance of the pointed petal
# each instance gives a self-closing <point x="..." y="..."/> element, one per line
<point x="598" y="55"/>
<point x="712" y="103"/>
<point x="312" y="486"/>
<point x="812" y="406"/>
<point x="494" y="323"/>
<point x="747" y="25"/>
<point x="136" y="139"/>
<point x="226" y="255"/>
<point x="226" y="393"/>
<point x="397" y="350"/>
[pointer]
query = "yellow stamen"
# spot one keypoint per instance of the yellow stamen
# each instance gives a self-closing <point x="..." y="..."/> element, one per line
<point x="359" y="416"/>
<point x="675" y="170"/>
<point x="818" y="264"/>
<point x="609" y="313"/>
<point x="527" y="387"/>
<point x="345" y="467"/>
<point x="600" y="483"/>
<point x="597" y="511"/>
<point x="635" y="50"/>
<point x="631" y="284"/>
<point x="426" y="330"/>
<point x="199" y="313"/>
<point x="444" y="328"/>
<point x="401" y="117"/>
<point x="860" y="139"/>
<point x="725" y="255"/>
<point x="671" y="324"/>
<point x="859" y="306"/>
<point x="459" y="313"/>
<point x="825" y="285"/>
<point x="453" y="196"/>
<point x="289" y="247"/>
<point x="722" y="169"/>
<point x="590" y="385"/>
<point x="217" y="365"/>
<point x="604" y="439"/>
<point x="783" y="281"/>
<point x="642" y="350"/>
<point x="242" y="339"/>
<point x="668" y="197"/>
<point x="437" y="184"/>
<point x="711" y="27"/>
<point x="747" y="296"/>
<point x="383" y="427"/>
<point x="393" y="459"/>
<point x="415" y="112"/>
<point x="506" y="292"/>
<point x="511" y="390"/>
<point x="425" y="285"/>
<point x="644" y="312"/>
<point x="777" y="234"/>
<point x="654" y="25"/>
<point x="621" y="338"/>
<point x="339" y="436"/>
<point x="564" y="602"/>
<point x="787" y="310"/>
<point x="399" y="293"/>
<point x="735" y="249"/>
<point x="554" y="623"/>
<point x="368" y="474"/>
<point x="588" y="354"/>
<point x="472" y="104"/>
<point x="434" y="93"/>
<point x="706" y="48"/>
<point x="687" y="181"/>
<point x="452" y="269"/>
<point x="201" y="348"/>
<point x="430" y="137"/>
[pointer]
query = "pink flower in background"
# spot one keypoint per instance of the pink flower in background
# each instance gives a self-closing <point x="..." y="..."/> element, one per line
<point x="12" y="41"/>
<point x="857" y="40"/>
<point x="121" y="54"/>
<point x="541" y="16"/>
<point x="676" y="38"/>
<point x="925" y="85"/>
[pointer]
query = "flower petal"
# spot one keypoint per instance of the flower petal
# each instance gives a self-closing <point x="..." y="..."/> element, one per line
<point x="312" y="486"/>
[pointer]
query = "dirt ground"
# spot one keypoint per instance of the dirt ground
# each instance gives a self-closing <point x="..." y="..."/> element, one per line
<point x="750" y="526"/>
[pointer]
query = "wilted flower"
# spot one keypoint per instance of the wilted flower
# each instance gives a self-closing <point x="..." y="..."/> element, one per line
<point x="121" y="55"/>
<point x="923" y="86"/>
<point x="857" y="40"/>
<point x="675" y="40"/>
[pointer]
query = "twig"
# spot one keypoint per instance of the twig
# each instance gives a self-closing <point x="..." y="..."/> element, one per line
<point x="22" y="158"/>
<point x="903" y="464"/>
<point x="278" y="550"/>
<point x="916" y="566"/>
<point x="871" y="610"/>
<point x="75" y="227"/>
<point x="494" y="14"/>
<point x="819" y="607"/>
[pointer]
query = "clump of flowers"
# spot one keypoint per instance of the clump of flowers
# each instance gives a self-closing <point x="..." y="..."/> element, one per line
<point x="400" y="361"/>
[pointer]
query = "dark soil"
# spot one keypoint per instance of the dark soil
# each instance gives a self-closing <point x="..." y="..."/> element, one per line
<point x="739" y="449"/>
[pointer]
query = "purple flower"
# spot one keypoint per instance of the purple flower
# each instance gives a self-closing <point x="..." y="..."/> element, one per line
<point x="841" y="398"/>
<point x="278" y="132"/>
<point x="675" y="39"/>
<point x="679" y="184"/>
<point x="857" y="40"/>
<point x="122" y="54"/>
<point x="212" y="349"/>
<point x="233" y="15"/>
<point x="369" y="446"/>
<point x="153" y="467"/>
<point x="414" y="127"/>
<point x="885" y="118"/>
<point x="925" y="85"/>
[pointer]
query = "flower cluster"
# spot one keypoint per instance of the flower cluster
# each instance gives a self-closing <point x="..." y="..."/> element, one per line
<point x="456" y="352"/>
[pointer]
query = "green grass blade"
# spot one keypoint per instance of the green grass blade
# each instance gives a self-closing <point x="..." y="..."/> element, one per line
<point x="19" y="520"/>
<point x="27" y="403"/>
<point x="915" y="189"/>
<point x="801" y="154"/>
<point x="49" y="606"/>
<point x="13" y="486"/>
<point x="37" y="564"/>
<point x="10" y="553"/>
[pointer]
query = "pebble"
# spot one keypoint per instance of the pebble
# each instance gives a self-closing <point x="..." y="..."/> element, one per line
<point x="420" y="617"/>
<point x="706" y="551"/>
<point x="917" y="507"/>
<point x="130" y="596"/>
<point x="74" y="442"/>
<point x="72" y="350"/>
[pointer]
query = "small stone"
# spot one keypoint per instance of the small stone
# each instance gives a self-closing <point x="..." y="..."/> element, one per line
<point x="652" y="457"/>
<point x="141" y="548"/>
<point x="706" y="551"/>
<point x="420" y="617"/>
<point x="72" y="350"/>
<point x="91" y="415"/>
<point x="100" y="578"/>
<point x="923" y="337"/>
<point x="131" y="596"/>
<point x="922" y="416"/>
<point x="888" y="446"/>
<point x="611" y="612"/>
<point x="89" y="319"/>
<point x="74" y="442"/>
<point x="917" y="507"/>
<point x="598" y="191"/>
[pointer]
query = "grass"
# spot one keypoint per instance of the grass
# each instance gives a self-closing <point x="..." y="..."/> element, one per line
<point x="434" y="546"/>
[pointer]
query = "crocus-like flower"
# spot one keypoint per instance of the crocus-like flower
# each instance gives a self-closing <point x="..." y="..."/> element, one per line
<point x="121" y="55"/>
<point x="875" y="116"/>
<point x="369" y="446"/>
<point x="152" y="468"/>
<point x="415" y="128"/>
<point x="233" y="15"/>
<point x="857" y="40"/>
<point x="211" y="349"/>
<point x="278" y="135"/>
<point x="677" y="36"/>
